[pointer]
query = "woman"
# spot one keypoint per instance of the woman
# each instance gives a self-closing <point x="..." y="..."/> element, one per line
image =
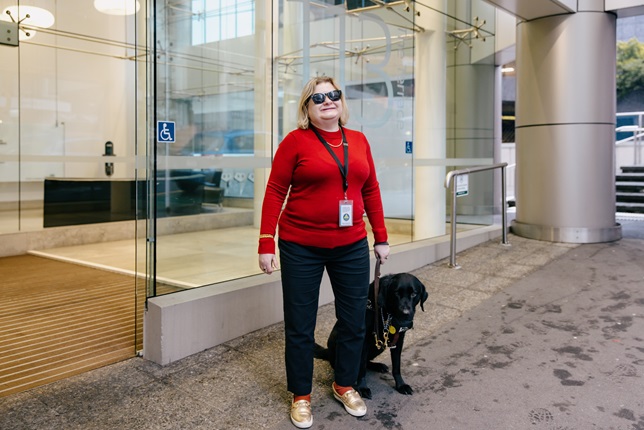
<point x="328" y="173"/>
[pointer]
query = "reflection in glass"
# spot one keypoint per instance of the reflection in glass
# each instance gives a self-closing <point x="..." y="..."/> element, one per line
<point x="229" y="78"/>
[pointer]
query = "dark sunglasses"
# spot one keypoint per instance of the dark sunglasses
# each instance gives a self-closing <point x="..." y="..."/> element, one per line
<point x="334" y="96"/>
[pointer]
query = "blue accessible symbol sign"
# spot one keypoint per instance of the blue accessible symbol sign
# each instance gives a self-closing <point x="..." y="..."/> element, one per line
<point x="409" y="147"/>
<point x="165" y="131"/>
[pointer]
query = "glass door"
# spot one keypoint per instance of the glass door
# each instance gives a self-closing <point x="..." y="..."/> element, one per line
<point x="69" y="121"/>
<point x="212" y="107"/>
<point x="9" y="130"/>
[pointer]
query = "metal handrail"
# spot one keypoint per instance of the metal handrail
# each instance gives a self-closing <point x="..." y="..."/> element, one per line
<point x="636" y="138"/>
<point x="449" y="182"/>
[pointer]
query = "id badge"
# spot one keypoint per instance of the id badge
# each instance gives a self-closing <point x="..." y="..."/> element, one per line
<point x="346" y="213"/>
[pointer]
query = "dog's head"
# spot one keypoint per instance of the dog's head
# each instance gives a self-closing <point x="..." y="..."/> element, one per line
<point x="399" y="294"/>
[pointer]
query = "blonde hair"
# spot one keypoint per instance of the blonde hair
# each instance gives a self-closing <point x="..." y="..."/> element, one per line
<point x="303" y="120"/>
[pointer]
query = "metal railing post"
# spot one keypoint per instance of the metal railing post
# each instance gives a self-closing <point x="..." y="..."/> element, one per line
<point x="452" y="244"/>
<point x="450" y="182"/>
<point x="504" y="212"/>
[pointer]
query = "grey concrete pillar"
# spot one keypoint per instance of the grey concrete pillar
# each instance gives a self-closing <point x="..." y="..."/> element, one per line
<point x="473" y="135"/>
<point x="565" y="128"/>
<point x="429" y="125"/>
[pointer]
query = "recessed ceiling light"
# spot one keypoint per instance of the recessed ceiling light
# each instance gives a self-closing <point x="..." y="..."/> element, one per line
<point x="29" y="15"/>
<point x="117" y="7"/>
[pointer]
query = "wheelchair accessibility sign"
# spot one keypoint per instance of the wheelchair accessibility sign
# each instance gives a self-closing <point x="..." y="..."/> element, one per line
<point x="165" y="131"/>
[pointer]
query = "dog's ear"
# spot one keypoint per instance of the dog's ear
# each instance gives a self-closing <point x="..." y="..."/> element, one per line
<point x="422" y="292"/>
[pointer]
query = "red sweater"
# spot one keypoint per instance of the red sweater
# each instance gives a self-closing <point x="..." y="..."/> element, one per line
<point x="311" y="214"/>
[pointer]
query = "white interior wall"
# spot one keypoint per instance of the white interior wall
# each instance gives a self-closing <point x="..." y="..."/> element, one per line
<point x="74" y="92"/>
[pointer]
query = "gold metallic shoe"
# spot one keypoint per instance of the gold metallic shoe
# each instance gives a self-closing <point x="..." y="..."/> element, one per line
<point x="301" y="416"/>
<point x="352" y="402"/>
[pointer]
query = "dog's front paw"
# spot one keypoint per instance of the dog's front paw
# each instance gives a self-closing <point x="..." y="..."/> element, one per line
<point x="377" y="367"/>
<point x="365" y="392"/>
<point x="405" y="389"/>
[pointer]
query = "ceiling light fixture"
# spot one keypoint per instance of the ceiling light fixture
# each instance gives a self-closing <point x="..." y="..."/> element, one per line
<point x="467" y="34"/>
<point x="30" y="16"/>
<point x="117" y="7"/>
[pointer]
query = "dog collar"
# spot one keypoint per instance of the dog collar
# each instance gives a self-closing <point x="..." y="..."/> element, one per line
<point x="394" y="328"/>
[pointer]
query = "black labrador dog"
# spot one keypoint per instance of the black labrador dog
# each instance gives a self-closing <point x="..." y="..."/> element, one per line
<point x="398" y="296"/>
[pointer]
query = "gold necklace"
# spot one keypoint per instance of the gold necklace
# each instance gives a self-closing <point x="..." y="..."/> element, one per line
<point x="335" y="146"/>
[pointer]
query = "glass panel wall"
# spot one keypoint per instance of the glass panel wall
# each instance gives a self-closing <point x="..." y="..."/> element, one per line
<point x="9" y="137"/>
<point x="470" y="106"/>
<point x="68" y="88"/>
<point x="212" y="60"/>
<point x="68" y="130"/>
<point x="419" y="82"/>
<point x="226" y="75"/>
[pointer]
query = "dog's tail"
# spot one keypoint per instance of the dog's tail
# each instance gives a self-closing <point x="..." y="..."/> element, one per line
<point x="321" y="352"/>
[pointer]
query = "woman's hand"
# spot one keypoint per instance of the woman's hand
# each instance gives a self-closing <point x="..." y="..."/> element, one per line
<point x="267" y="263"/>
<point x="382" y="252"/>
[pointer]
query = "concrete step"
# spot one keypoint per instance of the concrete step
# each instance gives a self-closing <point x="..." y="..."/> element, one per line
<point x="629" y="197"/>
<point x="632" y="169"/>
<point x="630" y="177"/>
<point x="630" y="207"/>
<point x="629" y="187"/>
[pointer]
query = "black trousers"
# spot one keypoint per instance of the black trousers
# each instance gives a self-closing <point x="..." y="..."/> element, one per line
<point x="302" y="268"/>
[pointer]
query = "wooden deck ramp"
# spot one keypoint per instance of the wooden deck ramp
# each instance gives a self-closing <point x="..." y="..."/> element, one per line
<point x="59" y="319"/>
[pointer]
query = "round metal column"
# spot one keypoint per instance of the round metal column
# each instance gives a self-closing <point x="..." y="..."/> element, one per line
<point x="565" y="129"/>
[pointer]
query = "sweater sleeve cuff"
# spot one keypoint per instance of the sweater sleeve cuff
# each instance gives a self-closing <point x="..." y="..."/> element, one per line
<point x="380" y="236"/>
<point x="266" y="246"/>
